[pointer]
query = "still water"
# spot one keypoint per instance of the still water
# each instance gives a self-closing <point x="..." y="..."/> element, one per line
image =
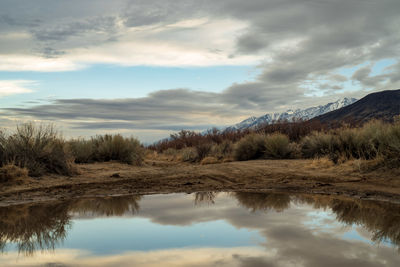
<point x="202" y="229"/>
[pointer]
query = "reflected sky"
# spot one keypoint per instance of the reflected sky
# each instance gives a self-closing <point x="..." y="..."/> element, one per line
<point x="202" y="229"/>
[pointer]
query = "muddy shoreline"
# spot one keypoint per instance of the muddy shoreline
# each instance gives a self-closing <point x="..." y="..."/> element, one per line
<point x="159" y="177"/>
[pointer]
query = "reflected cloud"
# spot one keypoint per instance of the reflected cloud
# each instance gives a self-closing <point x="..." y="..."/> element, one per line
<point x="302" y="229"/>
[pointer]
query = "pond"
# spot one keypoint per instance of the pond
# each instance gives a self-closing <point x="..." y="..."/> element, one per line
<point x="202" y="229"/>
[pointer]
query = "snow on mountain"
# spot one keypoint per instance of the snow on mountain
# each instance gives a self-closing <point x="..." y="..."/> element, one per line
<point x="304" y="114"/>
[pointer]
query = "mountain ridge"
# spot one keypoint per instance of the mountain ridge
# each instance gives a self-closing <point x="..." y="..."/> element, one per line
<point x="384" y="105"/>
<point x="303" y="114"/>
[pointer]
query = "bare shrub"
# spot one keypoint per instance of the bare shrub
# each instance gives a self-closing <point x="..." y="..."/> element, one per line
<point x="203" y="150"/>
<point x="40" y="149"/>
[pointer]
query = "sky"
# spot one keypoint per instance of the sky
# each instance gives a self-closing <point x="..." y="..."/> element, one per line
<point x="149" y="68"/>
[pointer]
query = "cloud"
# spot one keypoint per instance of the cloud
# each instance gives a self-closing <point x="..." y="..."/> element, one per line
<point x="12" y="87"/>
<point x="300" y="49"/>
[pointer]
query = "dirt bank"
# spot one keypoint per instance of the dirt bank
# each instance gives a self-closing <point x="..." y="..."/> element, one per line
<point x="300" y="176"/>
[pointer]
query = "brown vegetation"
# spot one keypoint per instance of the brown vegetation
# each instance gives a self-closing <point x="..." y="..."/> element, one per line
<point x="38" y="148"/>
<point x="102" y="148"/>
<point x="376" y="142"/>
<point x="10" y="172"/>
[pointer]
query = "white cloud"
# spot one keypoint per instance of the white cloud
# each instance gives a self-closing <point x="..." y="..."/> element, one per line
<point x="187" y="42"/>
<point x="12" y="87"/>
<point x="36" y="63"/>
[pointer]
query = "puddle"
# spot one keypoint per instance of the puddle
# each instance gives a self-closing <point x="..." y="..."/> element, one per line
<point x="202" y="229"/>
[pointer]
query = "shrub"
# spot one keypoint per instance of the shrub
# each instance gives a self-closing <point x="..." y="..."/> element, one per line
<point x="223" y="150"/>
<point x="103" y="148"/>
<point x="10" y="172"/>
<point x="40" y="149"/>
<point x="277" y="146"/>
<point x="203" y="150"/>
<point x="318" y="145"/>
<point x="295" y="150"/>
<point x="250" y="147"/>
<point x="189" y="154"/>
<point x="82" y="150"/>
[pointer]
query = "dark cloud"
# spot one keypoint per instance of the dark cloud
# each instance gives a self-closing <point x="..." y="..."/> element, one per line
<point x="363" y="76"/>
<point x="299" y="44"/>
<point x="173" y="109"/>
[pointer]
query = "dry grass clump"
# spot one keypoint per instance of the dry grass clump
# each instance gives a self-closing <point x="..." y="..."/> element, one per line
<point x="209" y="160"/>
<point x="189" y="154"/>
<point x="38" y="148"/>
<point x="323" y="162"/>
<point x="10" y="172"/>
<point x="102" y="148"/>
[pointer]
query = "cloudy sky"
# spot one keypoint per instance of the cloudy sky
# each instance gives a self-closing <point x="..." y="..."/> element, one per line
<point x="151" y="67"/>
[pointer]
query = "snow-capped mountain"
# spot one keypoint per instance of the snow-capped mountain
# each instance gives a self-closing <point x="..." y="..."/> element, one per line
<point x="304" y="114"/>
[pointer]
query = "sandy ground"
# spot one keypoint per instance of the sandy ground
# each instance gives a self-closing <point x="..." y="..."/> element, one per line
<point x="297" y="176"/>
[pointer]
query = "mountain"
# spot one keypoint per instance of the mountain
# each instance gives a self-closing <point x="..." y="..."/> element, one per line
<point x="382" y="105"/>
<point x="304" y="114"/>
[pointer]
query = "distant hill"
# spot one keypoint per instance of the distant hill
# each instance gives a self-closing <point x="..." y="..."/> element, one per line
<point x="381" y="105"/>
<point x="303" y="114"/>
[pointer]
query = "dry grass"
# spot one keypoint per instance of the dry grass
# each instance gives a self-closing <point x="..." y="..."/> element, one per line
<point x="209" y="160"/>
<point x="10" y="172"/>
<point x="323" y="162"/>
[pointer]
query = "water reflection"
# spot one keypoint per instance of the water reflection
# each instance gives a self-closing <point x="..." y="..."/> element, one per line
<point x="207" y="198"/>
<point x="263" y="201"/>
<point x="288" y="228"/>
<point x="110" y="206"/>
<point x="33" y="227"/>
<point x="44" y="226"/>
